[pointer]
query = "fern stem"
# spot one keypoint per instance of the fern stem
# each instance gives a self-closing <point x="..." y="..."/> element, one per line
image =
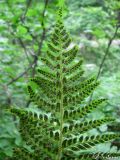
<point x="61" y="111"/>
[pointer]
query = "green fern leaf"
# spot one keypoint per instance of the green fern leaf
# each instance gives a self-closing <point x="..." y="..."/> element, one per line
<point x="57" y="128"/>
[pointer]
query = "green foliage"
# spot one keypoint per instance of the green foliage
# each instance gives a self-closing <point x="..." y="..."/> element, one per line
<point x="9" y="136"/>
<point x="59" y="128"/>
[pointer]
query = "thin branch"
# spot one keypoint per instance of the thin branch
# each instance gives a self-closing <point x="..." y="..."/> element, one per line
<point x="28" y="4"/>
<point x="40" y="44"/>
<point x="105" y="56"/>
<point x="20" y="75"/>
<point x="42" y="38"/>
<point x="25" y="49"/>
<point x="107" y="51"/>
<point x="21" y="44"/>
<point x="38" y="53"/>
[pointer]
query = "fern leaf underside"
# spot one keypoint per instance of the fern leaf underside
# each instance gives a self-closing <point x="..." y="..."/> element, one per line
<point x="58" y="131"/>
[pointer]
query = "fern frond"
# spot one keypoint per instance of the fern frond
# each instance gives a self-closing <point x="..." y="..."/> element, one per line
<point x="58" y="129"/>
<point x="71" y="69"/>
<point x="47" y="86"/>
<point x="64" y="36"/>
<point x="75" y="76"/>
<point x="53" y="48"/>
<point x="82" y="111"/>
<point x="77" y="144"/>
<point x="72" y="55"/>
<point x="93" y="156"/>
<point x="51" y="56"/>
<point x="48" y="63"/>
<point x="40" y="101"/>
<point x="85" y="126"/>
<point x="46" y="74"/>
<point x="80" y="96"/>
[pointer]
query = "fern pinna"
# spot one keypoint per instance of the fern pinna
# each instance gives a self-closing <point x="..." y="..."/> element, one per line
<point x="58" y="129"/>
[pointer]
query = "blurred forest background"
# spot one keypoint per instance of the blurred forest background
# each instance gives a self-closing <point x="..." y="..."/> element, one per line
<point x="24" y="27"/>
